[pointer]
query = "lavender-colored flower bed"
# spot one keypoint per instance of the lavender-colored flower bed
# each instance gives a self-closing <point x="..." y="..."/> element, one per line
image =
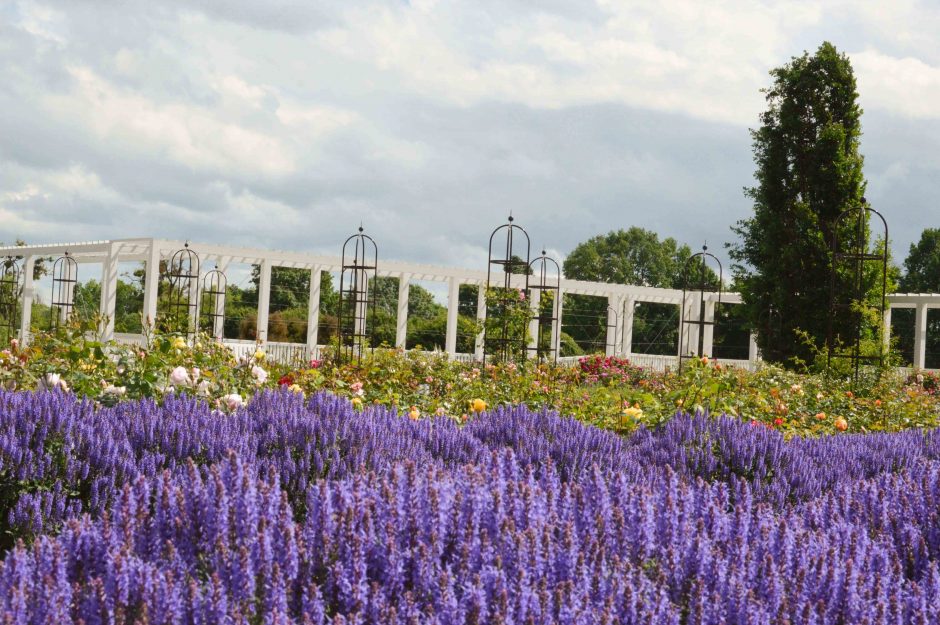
<point x="293" y="512"/>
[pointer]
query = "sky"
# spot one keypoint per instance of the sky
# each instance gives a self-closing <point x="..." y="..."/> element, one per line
<point x="287" y="124"/>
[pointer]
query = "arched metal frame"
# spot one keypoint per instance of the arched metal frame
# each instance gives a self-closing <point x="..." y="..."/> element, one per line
<point x="9" y="297"/>
<point x="857" y="256"/>
<point x="502" y="343"/>
<point x="64" y="279"/>
<point x="770" y="325"/>
<point x="546" y="283"/>
<point x="183" y="275"/>
<point x="212" y="301"/>
<point x="360" y="261"/>
<point x="698" y="261"/>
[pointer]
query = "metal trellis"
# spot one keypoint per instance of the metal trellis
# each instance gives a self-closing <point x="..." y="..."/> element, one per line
<point x="501" y="340"/>
<point x="214" y="285"/>
<point x="696" y="279"/>
<point x="64" y="279"/>
<point x="183" y="307"/>
<point x="360" y="260"/>
<point x="547" y="328"/>
<point x="9" y="297"/>
<point x="770" y="326"/>
<point x="856" y="257"/>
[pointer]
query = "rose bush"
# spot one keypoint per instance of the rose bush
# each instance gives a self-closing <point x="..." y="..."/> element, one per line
<point x="605" y="391"/>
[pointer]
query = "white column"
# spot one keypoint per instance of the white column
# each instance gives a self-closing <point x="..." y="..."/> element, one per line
<point x="920" y="336"/>
<point x="264" y="300"/>
<point x="613" y="322"/>
<point x="752" y="353"/>
<point x="886" y="329"/>
<point x="28" y="292"/>
<point x="453" y="295"/>
<point x="109" y="277"/>
<point x="556" y="328"/>
<point x="481" y="319"/>
<point x="689" y="345"/>
<point x="709" y="330"/>
<point x="626" y="345"/>
<point x="401" y="320"/>
<point x="684" y="312"/>
<point x="151" y="286"/>
<point x="535" y="300"/>
<point x="313" y="312"/>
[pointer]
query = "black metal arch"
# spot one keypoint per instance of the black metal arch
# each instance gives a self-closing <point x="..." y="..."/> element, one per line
<point x="770" y="327"/>
<point x="356" y="300"/>
<point x="548" y="323"/>
<point x="695" y="280"/>
<point x="500" y="340"/>
<point x="183" y="306"/>
<point x="212" y="301"/>
<point x="9" y="297"/>
<point x="64" y="279"/>
<point x="856" y="257"/>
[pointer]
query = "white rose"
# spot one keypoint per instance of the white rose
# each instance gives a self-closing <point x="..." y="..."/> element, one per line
<point x="117" y="391"/>
<point x="259" y="374"/>
<point x="179" y="376"/>
<point x="52" y="381"/>
<point x="233" y="401"/>
<point x="203" y="388"/>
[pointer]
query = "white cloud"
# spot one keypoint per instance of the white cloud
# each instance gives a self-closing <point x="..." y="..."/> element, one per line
<point x="189" y="134"/>
<point x="907" y="86"/>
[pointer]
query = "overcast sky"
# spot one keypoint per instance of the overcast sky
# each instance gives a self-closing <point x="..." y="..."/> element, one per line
<point x="284" y="124"/>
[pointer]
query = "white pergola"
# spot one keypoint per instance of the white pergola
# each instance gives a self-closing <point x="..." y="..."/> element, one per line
<point x="621" y="298"/>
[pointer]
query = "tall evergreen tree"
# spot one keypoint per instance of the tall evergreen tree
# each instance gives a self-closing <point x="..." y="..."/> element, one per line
<point x="809" y="170"/>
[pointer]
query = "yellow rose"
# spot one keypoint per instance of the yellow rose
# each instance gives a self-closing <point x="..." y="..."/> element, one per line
<point x="295" y="388"/>
<point x="178" y="342"/>
<point x="477" y="405"/>
<point x="634" y="412"/>
<point x="259" y="354"/>
<point x="357" y="403"/>
<point x="414" y="413"/>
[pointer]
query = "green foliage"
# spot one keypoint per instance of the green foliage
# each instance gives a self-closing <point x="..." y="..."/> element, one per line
<point x="922" y="265"/>
<point x="809" y="170"/>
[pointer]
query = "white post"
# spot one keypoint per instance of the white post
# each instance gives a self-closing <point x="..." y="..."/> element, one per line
<point x="556" y="328"/>
<point x="481" y="319"/>
<point x="109" y="277"/>
<point x="401" y="320"/>
<point x="886" y="329"/>
<point x="752" y="353"/>
<point x="28" y="292"/>
<point x="313" y="312"/>
<point x="920" y="336"/>
<point x="613" y="323"/>
<point x="709" y="330"/>
<point x="626" y="346"/>
<point x="535" y="301"/>
<point x="264" y="301"/>
<point x="151" y="286"/>
<point x="453" y="297"/>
